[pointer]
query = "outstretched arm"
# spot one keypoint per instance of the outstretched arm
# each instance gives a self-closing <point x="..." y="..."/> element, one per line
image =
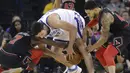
<point x="55" y="22"/>
<point x="48" y="42"/>
<point x="59" y="57"/>
<point x="106" y="21"/>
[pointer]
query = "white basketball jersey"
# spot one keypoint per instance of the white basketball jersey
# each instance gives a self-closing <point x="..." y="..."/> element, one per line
<point x="69" y="16"/>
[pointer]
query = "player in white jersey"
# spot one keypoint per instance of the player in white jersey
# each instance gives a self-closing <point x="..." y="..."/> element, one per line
<point x="70" y="4"/>
<point x="66" y="25"/>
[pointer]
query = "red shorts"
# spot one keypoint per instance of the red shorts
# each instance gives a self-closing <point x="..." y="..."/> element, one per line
<point x="36" y="55"/>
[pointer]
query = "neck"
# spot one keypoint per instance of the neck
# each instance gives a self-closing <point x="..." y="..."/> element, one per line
<point x="97" y="12"/>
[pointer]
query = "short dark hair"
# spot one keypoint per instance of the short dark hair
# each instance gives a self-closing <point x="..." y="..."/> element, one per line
<point x="36" y="27"/>
<point x="90" y="5"/>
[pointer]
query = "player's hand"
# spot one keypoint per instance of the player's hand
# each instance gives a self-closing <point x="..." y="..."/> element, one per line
<point x="60" y="58"/>
<point x="70" y="52"/>
<point x="89" y="49"/>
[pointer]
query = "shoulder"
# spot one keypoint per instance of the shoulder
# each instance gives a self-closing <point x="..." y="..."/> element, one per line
<point x="107" y="17"/>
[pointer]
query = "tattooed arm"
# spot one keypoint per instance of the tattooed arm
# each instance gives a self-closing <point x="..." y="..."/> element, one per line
<point x="106" y="21"/>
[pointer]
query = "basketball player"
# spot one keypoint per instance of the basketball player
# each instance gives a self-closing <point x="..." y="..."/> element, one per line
<point x="119" y="38"/>
<point x="65" y="25"/>
<point x="65" y="4"/>
<point x="20" y="51"/>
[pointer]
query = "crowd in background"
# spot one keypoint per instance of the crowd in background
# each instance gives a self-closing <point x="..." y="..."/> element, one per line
<point x="121" y="7"/>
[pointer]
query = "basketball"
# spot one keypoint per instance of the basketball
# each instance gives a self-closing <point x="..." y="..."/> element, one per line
<point x="77" y="57"/>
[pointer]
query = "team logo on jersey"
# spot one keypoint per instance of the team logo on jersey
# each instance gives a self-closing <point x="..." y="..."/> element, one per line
<point x="27" y="60"/>
<point x="118" y="41"/>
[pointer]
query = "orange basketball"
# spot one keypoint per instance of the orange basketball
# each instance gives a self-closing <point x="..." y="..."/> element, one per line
<point x="77" y="57"/>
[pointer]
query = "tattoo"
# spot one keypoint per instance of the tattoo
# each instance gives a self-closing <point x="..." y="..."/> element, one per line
<point x="106" y="21"/>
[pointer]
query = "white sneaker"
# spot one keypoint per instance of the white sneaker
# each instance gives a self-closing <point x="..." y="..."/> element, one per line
<point x="76" y="70"/>
<point x="66" y="70"/>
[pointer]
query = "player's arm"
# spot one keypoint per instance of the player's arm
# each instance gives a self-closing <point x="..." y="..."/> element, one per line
<point x="56" y="4"/>
<point x="106" y="21"/>
<point x="88" y="28"/>
<point x="86" y="33"/>
<point x="59" y="57"/>
<point x="48" y="42"/>
<point x="41" y="44"/>
<point x="46" y="51"/>
<point x="55" y="22"/>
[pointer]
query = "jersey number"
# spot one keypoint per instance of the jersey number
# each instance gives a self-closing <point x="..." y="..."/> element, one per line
<point x="27" y="60"/>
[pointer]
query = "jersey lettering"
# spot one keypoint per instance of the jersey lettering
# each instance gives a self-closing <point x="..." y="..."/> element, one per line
<point x="27" y="60"/>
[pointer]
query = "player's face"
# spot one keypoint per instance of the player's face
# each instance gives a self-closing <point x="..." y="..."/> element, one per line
<point x="90" y="13"/>
<point x="93" y="13"/>
<point x="42" y="34"/>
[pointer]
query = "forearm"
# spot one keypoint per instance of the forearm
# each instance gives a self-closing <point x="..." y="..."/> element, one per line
<point x="84" y="35"/>
<point x="49" y="53"/>
<point x="46" y="51"/>
<point x="72" y="37"/>
<point x="99" y="43"/>
<point x="49" y="42"/>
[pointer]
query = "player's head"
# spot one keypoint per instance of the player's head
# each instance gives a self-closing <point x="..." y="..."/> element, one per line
<point x="39" y="29"/>
<point x="92" y="9"/>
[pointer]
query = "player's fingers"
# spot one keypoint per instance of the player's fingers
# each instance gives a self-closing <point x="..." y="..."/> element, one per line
<point x="71" y="56"/>
<point x="74" y="53"/>
<point x="89" y="51"/>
